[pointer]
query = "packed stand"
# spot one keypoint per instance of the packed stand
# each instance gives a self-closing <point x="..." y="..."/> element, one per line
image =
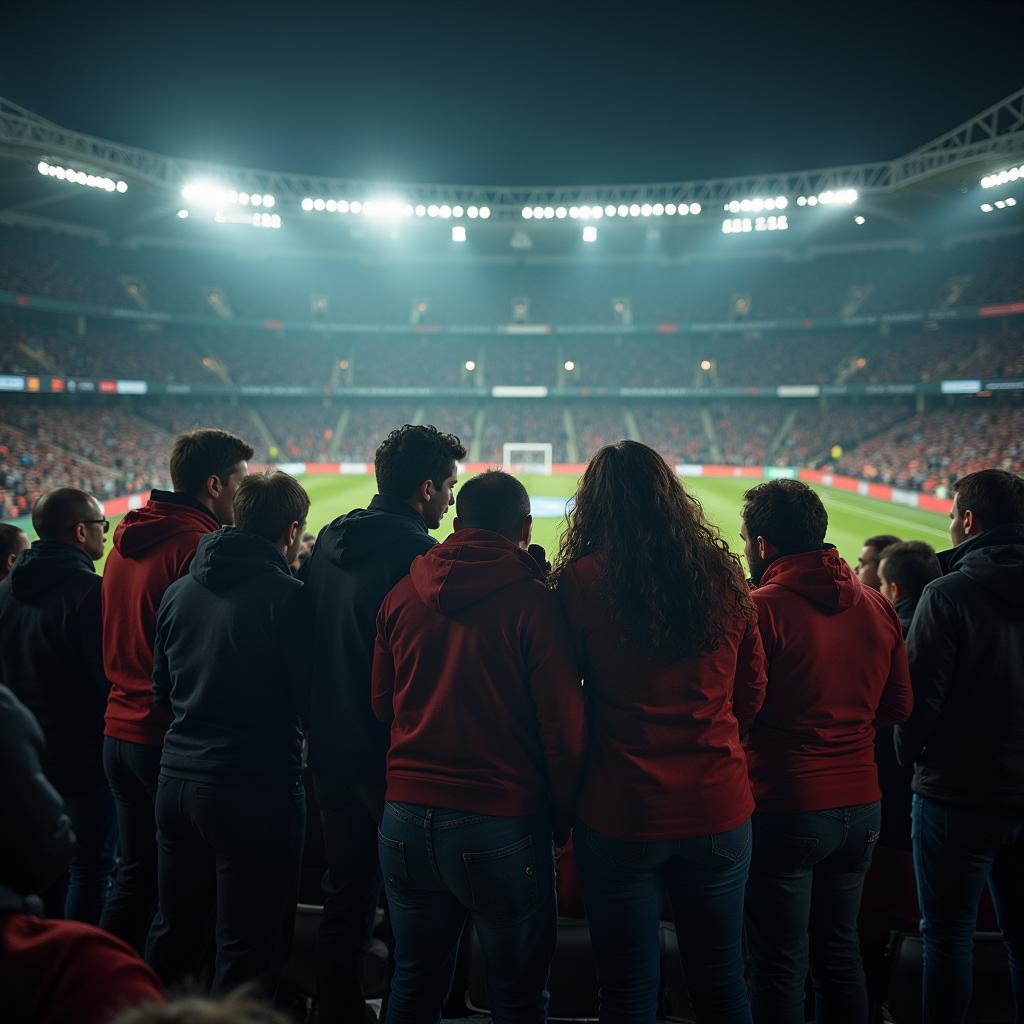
<point x="597" y="425"/>
<point x="818" y="428"/>
<point x="675" y="430"/>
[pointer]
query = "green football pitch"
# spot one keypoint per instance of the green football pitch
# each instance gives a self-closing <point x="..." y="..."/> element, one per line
<point x="852" y="518"/>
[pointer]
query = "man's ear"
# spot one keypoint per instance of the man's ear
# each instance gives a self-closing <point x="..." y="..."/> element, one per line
<point x="970" y="523"/>
<point x="9" y="562"/>
<point x="214" y="485"/>
<point x="293" y="531"/>
<point x="525" y="531"/>
<point x="764" y="549"/>
<point x="456" y="525"/>
<point x="896" y="591"/>
<point x="78" y="533"/>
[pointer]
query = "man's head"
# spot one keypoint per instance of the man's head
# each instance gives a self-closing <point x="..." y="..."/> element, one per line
<point x="418" y="465"/>
<point x="867" y="560"/>
<point x="208" y="465"/>
<point x="780" y="517"/>
<point x="906" y="568"/>
<point x="70" y="516"/>
<point x="274" y="506"/>
<point x="495" y="501"/>
<point x="983" y="500"/>
<point x="12" y="542"/>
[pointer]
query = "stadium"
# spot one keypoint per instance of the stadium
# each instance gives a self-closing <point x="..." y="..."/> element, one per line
<point x="858" y="328"/>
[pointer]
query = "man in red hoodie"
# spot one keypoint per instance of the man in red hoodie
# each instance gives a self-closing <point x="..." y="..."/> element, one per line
<point x="153" y="547"/>
<point x="837" y="669"/>
<point x="474" y="669"/>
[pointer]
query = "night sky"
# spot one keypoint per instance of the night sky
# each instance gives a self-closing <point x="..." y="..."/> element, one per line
<point x="515" y="93"/>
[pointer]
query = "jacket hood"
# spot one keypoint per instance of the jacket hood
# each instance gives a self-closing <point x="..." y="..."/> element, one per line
<point x="45" y="565"/>
<point x="364" y="533"/>
<point x="468" y="567"/>
<point x="164" y="515"/>
<point x="231" y="556"/>
<point x="822" y="577"/>
<point x="994" y="560"/>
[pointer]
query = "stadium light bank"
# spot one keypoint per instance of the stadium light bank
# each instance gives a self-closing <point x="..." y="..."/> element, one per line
<point x="393" y="209"/>
<point x="77" y="177"/>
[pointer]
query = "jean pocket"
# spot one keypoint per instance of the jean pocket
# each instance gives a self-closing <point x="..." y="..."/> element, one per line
<point x="503" y="883"/>
<point x="732" y="845"/>
<point x="393" y="864"/>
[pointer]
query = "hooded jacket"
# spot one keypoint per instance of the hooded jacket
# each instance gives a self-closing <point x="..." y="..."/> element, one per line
<point x="966" y="647"/>
<point x="224" y="667"/>
<point x="837" y="669"/>
<point x="474" y="670"/>
<point x="153" y="547"/>
<point x="51" y="658"/>
<point x="357" y="559"/>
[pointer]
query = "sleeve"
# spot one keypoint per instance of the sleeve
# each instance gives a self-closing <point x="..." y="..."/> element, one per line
<point x="89" y="639"/>
<point x="382" y="687"/>
<point x="898" y="696"/>
<point x="750" y="681"/>
<point x="295" y="632"/>
<point x="932" y="656"/>
<point x="161" y="669"/>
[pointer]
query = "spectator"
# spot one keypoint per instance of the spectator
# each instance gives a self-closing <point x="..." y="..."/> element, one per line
<point x="867" y="560"/>
<point x="673" y="670"/>
<point x="966" y="740"/>
<point x="51" y="658"/>
<point x="471" y="644"/>
<point x="837" y="668"/>
<point x="904" y="570"/>
<point x="50" y="971"/>
<point x="230" y="806"/>
<point x="153" y="546"/>
<point x="12" y="542"/>
<point x="357" y="559"/>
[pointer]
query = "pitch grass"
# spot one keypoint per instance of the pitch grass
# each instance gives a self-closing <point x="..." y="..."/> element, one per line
<point x="852" y="518"/>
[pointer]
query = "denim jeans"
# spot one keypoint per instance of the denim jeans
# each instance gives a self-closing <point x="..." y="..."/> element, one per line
<point x="440" y="866"/>
<point x="623" y="883"/>
<point x="89" y="874"/>
<point x="803" y="898"/>
<point x="957" y="850"/>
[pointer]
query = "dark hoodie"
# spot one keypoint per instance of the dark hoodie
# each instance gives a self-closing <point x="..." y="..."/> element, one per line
<point x="474" y="669"/>
<point x="966" y="646"/>
<point x="51" y="658"/>
<point x="153" y="547"/>
<point x="224" y="665"/>
<point x="357" y="559"/>
<point x="837" y="668"/>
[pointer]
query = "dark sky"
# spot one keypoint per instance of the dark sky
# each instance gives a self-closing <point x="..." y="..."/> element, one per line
<point x="514" y="93"/>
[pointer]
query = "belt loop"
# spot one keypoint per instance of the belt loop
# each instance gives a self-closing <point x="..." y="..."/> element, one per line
<point x="428" y="821"/>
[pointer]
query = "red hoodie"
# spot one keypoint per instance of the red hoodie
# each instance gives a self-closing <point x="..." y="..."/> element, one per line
<point x="665" y="755"/>
<point x="153" y="546"/>
<point x="837" y="669"/>
<point x="474" y="669"/>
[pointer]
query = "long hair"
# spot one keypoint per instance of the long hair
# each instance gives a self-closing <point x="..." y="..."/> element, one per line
<point x="672" y="584"/>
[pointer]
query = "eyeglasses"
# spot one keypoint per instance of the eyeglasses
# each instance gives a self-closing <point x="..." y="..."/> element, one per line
<point x="105" y="522"/>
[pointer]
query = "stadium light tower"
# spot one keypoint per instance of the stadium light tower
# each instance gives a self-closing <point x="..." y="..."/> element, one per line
<point x="590" y="233"/>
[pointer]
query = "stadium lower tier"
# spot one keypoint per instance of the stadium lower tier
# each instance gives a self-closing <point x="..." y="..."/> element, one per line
<point x="113" y="446"/>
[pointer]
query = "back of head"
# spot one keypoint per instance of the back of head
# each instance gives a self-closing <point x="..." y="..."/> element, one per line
<point x="266" y="504"/>
<point x="494" y="501"/>
<point x="12" y="542"/>
<point x="672" y="584"/>
<point x="56" y="513"/>
<point x="411" y="454"/>
<point x="882" y="541"/>
<point x="237" y="1008"/>
<point x="911" y="565"/>
<point x="199" y="454"/>
<point x="995" y="496"/>
<point x="787" y="514"/>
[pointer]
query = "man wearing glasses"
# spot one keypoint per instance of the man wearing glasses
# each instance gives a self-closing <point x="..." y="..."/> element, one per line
<point x="51" y="657"/>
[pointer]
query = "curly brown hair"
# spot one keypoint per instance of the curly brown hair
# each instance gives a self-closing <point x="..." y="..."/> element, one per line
<point x="672" y="583"/>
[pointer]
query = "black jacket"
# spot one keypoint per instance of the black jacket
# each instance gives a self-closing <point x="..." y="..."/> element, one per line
<point x="51" y="657"/>
<point x="227" y="637"/>
<point x="357" y="559"/>
<point x="966" y="649"/>
<point x="37" y="842"/>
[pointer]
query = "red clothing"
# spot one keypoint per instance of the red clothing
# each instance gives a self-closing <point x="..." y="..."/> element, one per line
<point x="837" y="668"/>
<point x="665" y="757"/>
<point x="153" y="546"/>
<point x="52" y="972"/>
<point x="474" y="669"/>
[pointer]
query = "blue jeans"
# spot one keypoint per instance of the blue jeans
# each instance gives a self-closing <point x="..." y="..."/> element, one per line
<point x="440" y="866"/>
<point x="806" y="880"/>
<point x="89" y="874"/>
<point x="957" y="849"/>
<point x="623" y="883"/>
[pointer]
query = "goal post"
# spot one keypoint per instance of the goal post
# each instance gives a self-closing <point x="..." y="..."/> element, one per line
<point x="526" y="458"/>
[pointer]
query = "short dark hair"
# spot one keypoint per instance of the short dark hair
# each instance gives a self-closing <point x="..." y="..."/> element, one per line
<point x="493" y="501"/>
<point x="881" y="541"/>
<point x="787" y="513"/>
<point x="10" y="541"/>
<point x="268" y="503"/>
<point x="995" y="496"/>
<point x="56" y="512"/>
<point x="911" y="565"/>
<point x="411" y="454"/>
<point x="199" y="454"/>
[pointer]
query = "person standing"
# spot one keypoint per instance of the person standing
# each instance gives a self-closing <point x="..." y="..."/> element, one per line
<point x="837" y="670"/>
<point x="12" y="542"/>
<point x="51" y="658"/>
<point x="966" y="741"/>
<point x="153" y="546"/>
<point x="673" y="673"/>
<point x="869" y="557"/>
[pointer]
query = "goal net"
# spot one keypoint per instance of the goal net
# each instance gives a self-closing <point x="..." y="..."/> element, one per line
<point x="526" y="458"/>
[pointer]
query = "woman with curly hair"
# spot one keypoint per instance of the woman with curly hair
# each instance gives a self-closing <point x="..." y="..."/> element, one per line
<point x="673" y="673"/>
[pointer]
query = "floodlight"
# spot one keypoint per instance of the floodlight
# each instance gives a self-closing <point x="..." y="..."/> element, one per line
<point x="596" y="212"/>
<point x="757" y="205"/>
<point x="433" y="210"/>
<point x="769" y="203"/>
<point x="182" y="214"/>
<point x="275" y="220"/>
<point x="307" y="204"/>
<point x="342" y="206"/>
<point x="783" y="223"/>
<point x="332" y="205"/>
<point x="421" y="210"/>
<point x="257" y="200"/>
<point x="472" y="211"/>
<point x="590" y="233"/>
<point x="269" y="200"/>
<point x="858" y="219"/>
<point x="634" y="210"/>
<point x="569" y="366"/>
<point x="485" y="212"/>
<point x="60" y="173"/>
<point x="609" y="210"/>
<point x="549" y="212"/>
<point x="44" y="167"/>
<point x="561" y="212"/>
<point x="747" y="226"/>
<point x="356" y="206"/>
<point x="695" y="208"/>
<point x="527" y="213"/>
<point x="670" y="209"/>
<point x="457" y="211"/>
<point x="726" y="227"/>
<point x="1000" y="204"/>
<point x="684" y="210"/>
<point x="658" y="209"/>
<point x="705" y="365"/>
<point x="445" y="211"/>
<point x="243" y="198"/>
<point x="760" y="224"/>
<point x="623" y="210"/>
<point x="407" y="210"/>
<point x="538" y="213"/>
<point x="781" y="202"/>
<point x="585" y="212"/>
<point x="801" y="200"/>
<point x="645" y="210"/>
<point x="812" y="200"/>
<point x="986" y="207"/>
<point x="1011" y="201"/>
<point x="458" y="233"/>
<point x="319" y="205"/>
<point x="470" y="365"/>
